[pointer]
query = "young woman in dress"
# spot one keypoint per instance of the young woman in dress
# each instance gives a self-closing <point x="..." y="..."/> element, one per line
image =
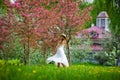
<point x="59" y="57"/>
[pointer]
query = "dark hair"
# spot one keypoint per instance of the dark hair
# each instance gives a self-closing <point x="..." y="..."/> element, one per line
<point x="63" y="36"/>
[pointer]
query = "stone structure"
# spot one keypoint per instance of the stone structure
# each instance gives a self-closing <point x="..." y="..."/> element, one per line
<point x="102" y="21"/>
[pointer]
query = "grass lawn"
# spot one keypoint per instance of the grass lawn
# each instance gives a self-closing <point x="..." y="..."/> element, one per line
<point x="50" y="72"/>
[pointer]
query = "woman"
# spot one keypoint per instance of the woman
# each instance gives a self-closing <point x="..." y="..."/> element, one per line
<point x="59" y="58"/>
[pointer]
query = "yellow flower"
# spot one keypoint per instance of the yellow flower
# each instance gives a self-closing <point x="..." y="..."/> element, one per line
<point x="34" y="71"/>
<point x="119" y="71"/>
<point x="19" y="69"/>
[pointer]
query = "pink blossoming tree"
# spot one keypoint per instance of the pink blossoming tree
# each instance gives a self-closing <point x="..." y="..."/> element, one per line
<point x="38" y="22"/>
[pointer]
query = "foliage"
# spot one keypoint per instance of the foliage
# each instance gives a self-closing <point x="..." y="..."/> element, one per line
<point x="13" y="50"/>
<point x="82" y="6"/>
<point x="111" y="52"/>
<point x="81" y="51"/>
<point x="107" y="58"/>
<point x="50" y="72"/>
<point x="31" y="23"/>
<point x="113" y="10"/>
<point x="3" y="8"/>
<point x="13" y="62"/>
<point x="10" y="62"/>
<point x="2" y="62"/>
<point x="81" y="56"/>
<point x="38" y="23"/>
<point x="116" y="46"/>
<point x="5" y="30"/>
<point x="72" y="18"/>
<point x="37" y="58"/>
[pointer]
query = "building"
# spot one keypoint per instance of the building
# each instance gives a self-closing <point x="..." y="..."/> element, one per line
<point x="99" y="33"/>
<point x="102" y="21"/>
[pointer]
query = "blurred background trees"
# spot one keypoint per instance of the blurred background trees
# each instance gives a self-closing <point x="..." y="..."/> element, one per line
<point x="28" y="26"/>
<point x="29" y="29"/>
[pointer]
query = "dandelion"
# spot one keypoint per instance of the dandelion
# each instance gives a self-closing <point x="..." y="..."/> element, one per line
<point x="119" y="71"/>
<point x="34" y="71"/>
<point x="19" y="69"/>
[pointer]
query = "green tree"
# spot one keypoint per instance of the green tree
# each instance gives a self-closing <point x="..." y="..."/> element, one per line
<point x="112" y="7"/>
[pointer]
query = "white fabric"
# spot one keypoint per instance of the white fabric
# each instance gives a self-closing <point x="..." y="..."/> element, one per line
<point x="12" y="1"/>
<point x="59" y="57"/>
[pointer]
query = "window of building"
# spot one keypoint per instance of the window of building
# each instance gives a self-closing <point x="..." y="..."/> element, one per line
<point x="103" y="23"/>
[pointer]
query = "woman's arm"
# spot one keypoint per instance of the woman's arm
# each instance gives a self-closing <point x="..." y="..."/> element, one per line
<point x="55" y="50"/>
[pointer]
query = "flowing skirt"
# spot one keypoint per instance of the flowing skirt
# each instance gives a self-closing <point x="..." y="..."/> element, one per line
<point x="59" y="57"/>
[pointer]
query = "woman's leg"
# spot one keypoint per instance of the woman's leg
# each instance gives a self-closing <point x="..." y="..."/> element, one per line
<point x="58" y="64"/>
<point x="63" y="65"/>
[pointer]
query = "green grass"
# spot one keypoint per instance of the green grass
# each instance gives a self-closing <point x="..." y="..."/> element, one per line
<point x="50" y="72"/>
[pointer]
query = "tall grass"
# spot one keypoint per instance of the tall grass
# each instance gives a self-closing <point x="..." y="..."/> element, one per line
<point x="50" y="72"/>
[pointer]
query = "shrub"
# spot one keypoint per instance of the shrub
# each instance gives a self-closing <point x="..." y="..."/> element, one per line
<point x="106" y="58"/>
<point x="10" y="62"/>
<point x="36" y="58"/>
<point x="2" y="62"/>
<point x="13" y="62"/>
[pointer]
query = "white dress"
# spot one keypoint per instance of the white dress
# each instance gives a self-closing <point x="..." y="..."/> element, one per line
<point x="59" y="57"/>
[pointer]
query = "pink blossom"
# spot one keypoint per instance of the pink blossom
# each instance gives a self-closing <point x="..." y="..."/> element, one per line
<point x="95" y="29"/>
<point x="17" y="5"/>
<point x="1" y="39"/>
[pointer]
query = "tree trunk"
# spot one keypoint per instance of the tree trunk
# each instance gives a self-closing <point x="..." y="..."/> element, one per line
<point x="68" y="50"/>
<point x="28" y="46"/>
<point x="68" y="46"/>
<point x="4" y="54"/>
<point x="25" y="60"/>
<point x="44" y="55"/>
<point x="28" y="51"/>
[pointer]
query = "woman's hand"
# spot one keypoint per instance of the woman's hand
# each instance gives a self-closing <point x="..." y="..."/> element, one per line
<point x="53" y="52"/>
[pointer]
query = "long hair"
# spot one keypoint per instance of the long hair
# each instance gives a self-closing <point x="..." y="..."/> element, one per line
<point x="63" y="39"/>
